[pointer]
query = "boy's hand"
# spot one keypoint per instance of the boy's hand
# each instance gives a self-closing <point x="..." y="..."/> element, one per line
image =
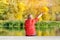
<point x="39" y="15"/>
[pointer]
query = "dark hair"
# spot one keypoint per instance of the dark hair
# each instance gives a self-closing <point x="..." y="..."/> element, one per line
<point x="29" y="16"/>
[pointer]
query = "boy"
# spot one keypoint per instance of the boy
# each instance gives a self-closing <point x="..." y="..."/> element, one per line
<point x="30" y="25"/>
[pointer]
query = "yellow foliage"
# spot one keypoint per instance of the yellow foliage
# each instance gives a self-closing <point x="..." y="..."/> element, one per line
<point x="39" y="33"/>
<point x="18" y="16"/>
<point x="34" y="10"/>
<point x="5" y="1"/>
<point x="33" y="6"/>
<point x="46" y="17"/>
<point x="53" y="16"/>
<point x="21" y="6"/>
<point x="43" y="9"/>
<point x="46" y="33"/>
<point x="21" y="9"/>
<point x="18" y="34"/>
<point x="52" y="33"/>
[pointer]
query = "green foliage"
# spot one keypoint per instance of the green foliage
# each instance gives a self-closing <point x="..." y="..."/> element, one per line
<point x="40" y="26"/>
<point x="19" y="25"/>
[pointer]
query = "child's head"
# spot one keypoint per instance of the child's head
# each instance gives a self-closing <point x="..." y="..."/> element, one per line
<point x="30" y="16"/>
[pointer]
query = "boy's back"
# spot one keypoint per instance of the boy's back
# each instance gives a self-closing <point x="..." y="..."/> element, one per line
<point x="30" y="26"/>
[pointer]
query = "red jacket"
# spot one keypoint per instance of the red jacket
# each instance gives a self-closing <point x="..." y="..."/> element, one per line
<point x="30" y="26"/>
